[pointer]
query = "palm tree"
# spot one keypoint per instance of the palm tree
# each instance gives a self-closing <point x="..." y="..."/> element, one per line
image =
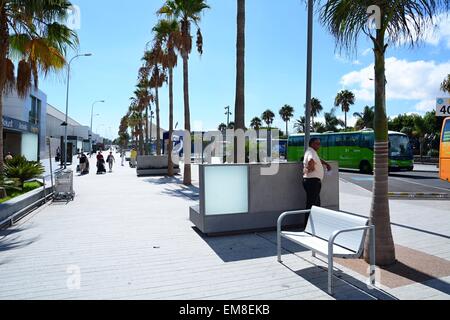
<point x="153" y="63"/>
<point x="445" y="85"/>
<point x="268" y="117"/>
<point x="31" y="31"/>
<point x="316" y="109"/>
<point x="186" y="12"/>
<point x="286" y="112"/>
<point x="168" y="33"/>
<point x="332" y="122"/>
<point x="398" y="22"/>
<point x="222" y="127"/>
<point x="239" y="110"/>
<point x="300" y="125"/>
<point x="345" y="99"/>
<point x="319" y="127"/>
<point x="255" y="123"/>
<point x="365" y="118"/>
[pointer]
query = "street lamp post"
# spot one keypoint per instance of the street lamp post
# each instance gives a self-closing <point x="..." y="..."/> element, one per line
<point x="151" y="117"/>
<point x="67" y="105"/>
<point x="228" y="114"/>
<point x="309" y="74"/>
<point x="92" y="112"/>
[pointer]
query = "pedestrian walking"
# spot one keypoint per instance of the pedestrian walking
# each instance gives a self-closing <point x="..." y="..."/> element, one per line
<point x="313" y="173"/>
<point x="110" y="159"/>
<point x="100" y="163"/>
<point x="122" y="156"/>
<point x="83" y="163"/>
<point x="133" y="157"/>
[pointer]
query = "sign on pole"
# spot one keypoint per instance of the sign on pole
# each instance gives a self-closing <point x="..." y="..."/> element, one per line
<point x="443" y="107"/>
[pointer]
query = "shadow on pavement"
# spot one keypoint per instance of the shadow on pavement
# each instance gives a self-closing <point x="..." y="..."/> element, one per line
<point x="356" y="290"/>
<point x="10" y="240"/>
<point x="237" y="247"/>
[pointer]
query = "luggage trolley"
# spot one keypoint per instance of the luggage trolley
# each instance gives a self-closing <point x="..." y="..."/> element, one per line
<point x="64" y="185"/>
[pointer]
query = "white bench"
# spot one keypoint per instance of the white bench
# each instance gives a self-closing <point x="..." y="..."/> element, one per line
<point x="331" y="234"/>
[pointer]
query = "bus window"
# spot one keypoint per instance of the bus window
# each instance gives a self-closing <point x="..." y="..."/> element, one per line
<point x="367" y="141"/>
<point x="351" y="140"/>
<point x="399" y="146"/>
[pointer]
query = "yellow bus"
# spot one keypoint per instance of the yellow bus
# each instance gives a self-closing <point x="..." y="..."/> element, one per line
<point x="444" y="152"/>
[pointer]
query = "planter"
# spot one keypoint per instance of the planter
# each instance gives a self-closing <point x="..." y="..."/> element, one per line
<point x="11" y="207"/>
<point x="154" y="165"/>
<point x="238" y="198"/>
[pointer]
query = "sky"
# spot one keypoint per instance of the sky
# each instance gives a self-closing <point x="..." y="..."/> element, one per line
<point x="117" y="33"/>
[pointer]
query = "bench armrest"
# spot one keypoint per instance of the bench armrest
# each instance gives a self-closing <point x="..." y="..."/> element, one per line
<point x="288" y="213"/>
<point x="338" y="232"/>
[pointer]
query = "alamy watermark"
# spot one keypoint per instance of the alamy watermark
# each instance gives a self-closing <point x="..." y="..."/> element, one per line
<point x="230" y="146"/>
<point x="374" y="17"/>
<point x="73" y="18"/>
<point x="73" y="281"/>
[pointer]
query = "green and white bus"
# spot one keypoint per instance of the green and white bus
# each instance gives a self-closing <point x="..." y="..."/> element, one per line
<point x="354" y="150"/>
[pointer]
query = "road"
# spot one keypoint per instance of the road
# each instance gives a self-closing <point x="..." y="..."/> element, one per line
<point x="423" y="179"/>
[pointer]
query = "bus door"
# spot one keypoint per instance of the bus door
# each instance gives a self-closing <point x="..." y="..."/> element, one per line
<point x="350" y="151"/>
<point x="444" y="152"/>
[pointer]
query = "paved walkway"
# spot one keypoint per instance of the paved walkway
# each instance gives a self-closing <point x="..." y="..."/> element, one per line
<point x="130" y="238"/>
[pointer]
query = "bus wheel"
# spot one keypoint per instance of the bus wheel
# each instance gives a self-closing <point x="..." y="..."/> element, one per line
<point x="365" y="167"/>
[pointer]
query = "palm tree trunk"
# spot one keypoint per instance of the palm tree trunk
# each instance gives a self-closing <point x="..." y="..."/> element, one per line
<point x="239" y="110"/>
<point x="187" y="121"/>
<point x="146" y="131"/>
<point x="379" y="213"/>
<point x="345" y="112"/>
<point x="170" y="143"/>
<point x="158" y="129"/>
<point x="286" y="129"/>
<point x="4" y="45"/>
<point x="141" y="138"/>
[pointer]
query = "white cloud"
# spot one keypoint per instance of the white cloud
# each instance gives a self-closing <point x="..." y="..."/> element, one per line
<point x="426" y="105"/>
<point x="406" y="80"/>
<point x="438" y="35"/>
<point x="366" y="52"/>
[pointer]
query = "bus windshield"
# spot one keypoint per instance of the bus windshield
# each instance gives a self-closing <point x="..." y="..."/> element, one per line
<point x="399" y="146"/>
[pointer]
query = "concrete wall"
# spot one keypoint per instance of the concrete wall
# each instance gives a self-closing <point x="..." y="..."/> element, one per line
<point x="268" y="197"/>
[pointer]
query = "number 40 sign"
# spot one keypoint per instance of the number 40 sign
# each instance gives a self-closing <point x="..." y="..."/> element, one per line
<point x="443" y="107"/>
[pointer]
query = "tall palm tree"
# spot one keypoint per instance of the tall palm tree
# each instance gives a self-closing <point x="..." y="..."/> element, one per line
<point x="239" y="110"/>
<point x="332" y="122"/>
<point x="222" y="127"/>
<point x="286" y="113"/>
<point x="365" y="118"/>
<point x="30" y="30"/>
<point x="399" y="22"/>
<point x="153" y="63"/>
<point x="345" y="99"/>
<point x="255" y="123"/>
<point x="300" y="124"/>
<point x="445" y="85"/>
<point x="268" y="116"/>
<point x="316" y="109"/>
<point x="168" y="33"/>
<point x="186" y="12"/>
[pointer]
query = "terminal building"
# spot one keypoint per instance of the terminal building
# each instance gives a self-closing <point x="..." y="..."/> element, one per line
<point x="27" y="123"/>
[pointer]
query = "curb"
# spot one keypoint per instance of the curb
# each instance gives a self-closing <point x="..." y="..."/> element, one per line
<point x="419" y="195"/>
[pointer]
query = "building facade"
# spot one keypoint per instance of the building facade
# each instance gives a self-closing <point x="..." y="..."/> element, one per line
<point x="24" y="125"/>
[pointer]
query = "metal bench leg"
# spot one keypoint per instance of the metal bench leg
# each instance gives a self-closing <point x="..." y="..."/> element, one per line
<point x="372" y="257"/>
<point x="313" y="254"/>
<point x="279" y="246"/>
<point x="330" y="274"/>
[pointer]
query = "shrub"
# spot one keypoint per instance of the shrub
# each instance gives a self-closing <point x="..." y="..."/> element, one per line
<point x="22" y="169"/>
